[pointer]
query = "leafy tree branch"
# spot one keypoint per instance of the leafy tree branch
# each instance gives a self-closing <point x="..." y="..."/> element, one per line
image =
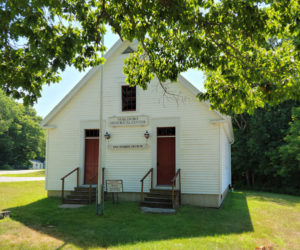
<point x="249" y="49"/>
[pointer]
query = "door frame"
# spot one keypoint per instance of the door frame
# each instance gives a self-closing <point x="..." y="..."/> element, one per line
<point x="87" y="124"/>
<point x="167" y="136"/>
<point x="84" y="167"/>
<point x="164" y="122"/>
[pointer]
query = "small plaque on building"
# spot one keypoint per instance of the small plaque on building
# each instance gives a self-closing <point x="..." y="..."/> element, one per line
<point x="128" y="146"/>
<point x="114" y="186"/>
<point x="128" y="121"/>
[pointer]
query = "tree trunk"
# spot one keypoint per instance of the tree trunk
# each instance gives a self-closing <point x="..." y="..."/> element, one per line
<point x="247" y="178"/>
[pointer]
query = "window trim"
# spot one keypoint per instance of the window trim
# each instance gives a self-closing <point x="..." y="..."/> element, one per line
<point x="122" y="99"/>
<point x="170" y="132"/>
<point x="91" y="133"/>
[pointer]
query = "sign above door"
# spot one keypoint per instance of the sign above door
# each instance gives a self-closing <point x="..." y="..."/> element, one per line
<point x="128" y="121"/>
<point x="128" y="146"/>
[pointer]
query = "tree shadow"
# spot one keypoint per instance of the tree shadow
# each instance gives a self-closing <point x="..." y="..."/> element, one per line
<point x="280" y="199"/>
<point x="123" y="223"/>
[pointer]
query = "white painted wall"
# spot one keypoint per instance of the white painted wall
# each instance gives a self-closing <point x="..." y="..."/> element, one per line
<point x="197" y="140"/>
<point x="225" y="156"/>
<point x="64" y="146"/>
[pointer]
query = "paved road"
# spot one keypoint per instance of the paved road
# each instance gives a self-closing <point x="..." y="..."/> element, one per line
<point x="13" y="179"/>
<point x="18" y="171"/>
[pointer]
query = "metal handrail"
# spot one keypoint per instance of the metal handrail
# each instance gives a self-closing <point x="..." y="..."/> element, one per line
<point x="90" y="187"/>
<point x="142" y="182"/>
<point x="178" y="174"/>
<point x="63" y="182"/>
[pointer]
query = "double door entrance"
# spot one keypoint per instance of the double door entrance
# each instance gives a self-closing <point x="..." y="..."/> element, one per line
<point x="166" y="155"/>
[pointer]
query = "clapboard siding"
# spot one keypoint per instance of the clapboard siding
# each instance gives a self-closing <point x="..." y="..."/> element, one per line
<point x="64" y="141"/>
<point x="197" y="139"/>
<point x="226" y="159"/>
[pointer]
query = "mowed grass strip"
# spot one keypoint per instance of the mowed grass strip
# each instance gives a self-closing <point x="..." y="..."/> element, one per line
<point x="40" y="173"/>
<point x="246" y="220"/>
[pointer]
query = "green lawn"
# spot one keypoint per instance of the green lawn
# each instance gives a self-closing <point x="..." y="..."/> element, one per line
<point x="40" y="173"/>
<point x="246" y="220"/>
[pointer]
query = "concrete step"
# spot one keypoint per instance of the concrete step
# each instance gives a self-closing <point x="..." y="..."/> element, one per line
<point x="159" y="199"/>
<point x="75" y="201"/>
<point x="156" y="204"/>
<point x="88" y="185"/>
<point x="155" y="210"/>
<point x="80" y="196"/>
<point x="84" y="189"/>
<point x="82" y="193"/>
<point x="159" y="195"/>
<point x="163" y="191"/>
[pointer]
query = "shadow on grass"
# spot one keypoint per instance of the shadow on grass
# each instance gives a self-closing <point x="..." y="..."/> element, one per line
<point x="123" y="223"/>
<point x="280" y="199"/>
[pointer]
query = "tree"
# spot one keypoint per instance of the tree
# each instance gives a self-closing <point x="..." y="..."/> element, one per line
<point x="290" y="153"/>
<point x="21" y="137"/>
<point x="249" y="49"/>
<point x="264" y="155"/>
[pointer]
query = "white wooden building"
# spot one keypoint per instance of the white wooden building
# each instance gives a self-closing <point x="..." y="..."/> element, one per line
<point x="183" y="134"/>
<point x="37" y="164"/>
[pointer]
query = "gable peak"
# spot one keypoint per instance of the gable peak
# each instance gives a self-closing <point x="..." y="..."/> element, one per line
<point x="128" y="50"/>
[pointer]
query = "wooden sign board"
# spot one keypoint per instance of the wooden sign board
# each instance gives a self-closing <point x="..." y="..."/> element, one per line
<point x="128" y="146"/>
<point x="114" y="186"/>
<point x="128" y="121"/>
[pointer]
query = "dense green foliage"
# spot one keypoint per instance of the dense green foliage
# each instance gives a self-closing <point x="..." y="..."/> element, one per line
<point x="21" y="137"/>
<point x="266" y="152"/>
<point x="290" y="153"/>
<point x="249" y="49"/>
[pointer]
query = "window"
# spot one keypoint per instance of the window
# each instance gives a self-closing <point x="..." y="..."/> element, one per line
<point x="128" y="98"/>
<point x="92" y="133"/>
<point x="166" y="131"/>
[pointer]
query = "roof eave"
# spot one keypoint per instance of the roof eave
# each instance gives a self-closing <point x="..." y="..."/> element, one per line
<point x="78" y="86"/>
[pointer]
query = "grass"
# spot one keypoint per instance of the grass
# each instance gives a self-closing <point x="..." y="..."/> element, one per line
<point x="246" y="220"/>
<point x="40" y="173"/>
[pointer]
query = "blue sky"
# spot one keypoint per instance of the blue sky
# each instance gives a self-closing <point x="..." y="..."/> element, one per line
<point x="51" y="95"/>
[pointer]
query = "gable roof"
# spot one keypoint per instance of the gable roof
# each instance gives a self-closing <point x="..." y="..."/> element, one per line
<point x="78" y="86"/>
<point x="91" y="73"/>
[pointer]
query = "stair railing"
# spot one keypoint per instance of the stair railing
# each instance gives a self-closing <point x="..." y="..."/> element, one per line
<point x="90" y="184"/>
<point x="142" y="182"/>
<point x="63" y="182"/>
<point x="178" y="174"/>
